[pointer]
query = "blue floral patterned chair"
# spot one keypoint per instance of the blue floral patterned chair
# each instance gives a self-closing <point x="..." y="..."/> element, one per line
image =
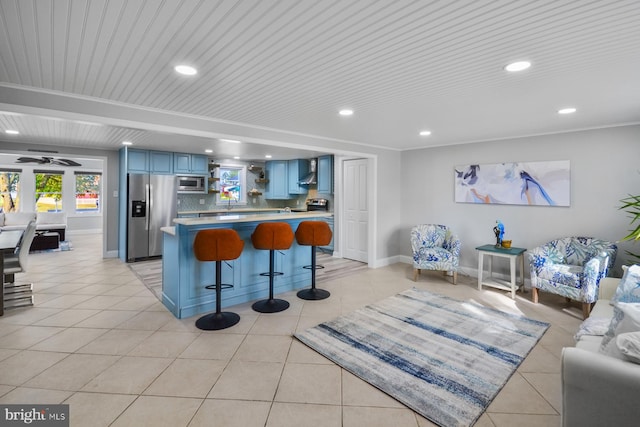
<point x="435" y="247"/>
<point x="571" y="267"/>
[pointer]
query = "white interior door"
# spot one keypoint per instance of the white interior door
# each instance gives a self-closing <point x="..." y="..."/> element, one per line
<point x="356" y="209"/>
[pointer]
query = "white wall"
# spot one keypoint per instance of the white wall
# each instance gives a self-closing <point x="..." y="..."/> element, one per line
<point x="605" y="167"/>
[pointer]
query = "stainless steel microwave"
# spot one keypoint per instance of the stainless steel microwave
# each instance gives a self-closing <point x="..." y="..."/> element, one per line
<point x="192" y="184"/>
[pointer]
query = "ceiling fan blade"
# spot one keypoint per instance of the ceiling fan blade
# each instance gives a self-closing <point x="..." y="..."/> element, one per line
<point x="30" y="160"/>
<point x="67" y="162"/>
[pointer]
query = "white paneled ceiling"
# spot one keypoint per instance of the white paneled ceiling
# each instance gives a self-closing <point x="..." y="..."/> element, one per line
<point x="402" y="66"/>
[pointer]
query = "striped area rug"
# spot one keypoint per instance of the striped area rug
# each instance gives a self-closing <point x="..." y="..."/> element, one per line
<point x="445" y="359"/>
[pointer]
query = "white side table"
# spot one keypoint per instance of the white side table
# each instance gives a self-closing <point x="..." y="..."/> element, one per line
<point x="512" y="254"/>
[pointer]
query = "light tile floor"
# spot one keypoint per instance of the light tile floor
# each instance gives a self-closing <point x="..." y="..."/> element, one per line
<point x="98" y="340"/>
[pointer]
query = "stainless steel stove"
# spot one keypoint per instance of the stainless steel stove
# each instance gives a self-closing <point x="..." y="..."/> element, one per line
<point x="317" y="205"/>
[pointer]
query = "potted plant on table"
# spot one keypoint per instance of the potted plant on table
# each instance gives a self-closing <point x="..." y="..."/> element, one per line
<point x="631" y="205"/>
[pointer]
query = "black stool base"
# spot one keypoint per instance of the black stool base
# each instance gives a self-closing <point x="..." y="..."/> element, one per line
<point x="270" y="305"/>
<point x="217" y="321"/>
<point x="313" y="294"/>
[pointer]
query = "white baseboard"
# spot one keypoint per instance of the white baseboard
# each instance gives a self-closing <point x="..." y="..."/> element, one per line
<point x="468" y="271"/>
<point x="111" y="254"/>
<point x="83" y="232"/>
<point x="387" y="261"/>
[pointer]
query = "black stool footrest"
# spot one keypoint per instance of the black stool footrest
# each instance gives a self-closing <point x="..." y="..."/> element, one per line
<point x="313" y="294"/>
<point x="222" y="286"/>
<point x="275" y="273"/>
<point x="310" y="267"/>
<point x="270" y="305"/>
<point x="217" y="321"/>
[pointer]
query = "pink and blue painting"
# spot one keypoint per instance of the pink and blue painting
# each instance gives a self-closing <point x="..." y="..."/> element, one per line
<point x="527" y="183"/>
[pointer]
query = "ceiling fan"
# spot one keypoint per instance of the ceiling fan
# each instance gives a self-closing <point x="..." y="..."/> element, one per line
<point x="47" y="161"/>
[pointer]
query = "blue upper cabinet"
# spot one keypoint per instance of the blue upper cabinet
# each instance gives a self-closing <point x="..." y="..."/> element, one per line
<point x="325" y="174"/>
<point x="137" y="161"/>
<point x="161" y="162"/>
<point x="189" y="163"/>
<point x="181" y="163"/>
<point x="298" y="169"/>
<point x="278" y="176"/>
<point x="199" y="164"/>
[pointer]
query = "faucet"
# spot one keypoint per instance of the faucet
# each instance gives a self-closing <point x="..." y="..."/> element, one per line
<point x="229" y="207"/>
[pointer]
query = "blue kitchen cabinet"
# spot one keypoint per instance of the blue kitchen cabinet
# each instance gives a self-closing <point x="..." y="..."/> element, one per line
<point x="199" y="164"/>
<point x="298" y="169"/>
<point x="325" y="175"/>
<point x="161" y="162"/>
<point x="181" y="163"/>
<point x="190" y="163"/>
<point x="137" y="161"/>
<point x="329" y="247"/>
<point x="278" y="175"/>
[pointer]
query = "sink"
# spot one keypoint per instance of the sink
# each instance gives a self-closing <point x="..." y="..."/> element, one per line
<point x="229" y="216"/>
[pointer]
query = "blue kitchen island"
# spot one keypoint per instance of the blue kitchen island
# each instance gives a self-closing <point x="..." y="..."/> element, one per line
<point x="184" y="277"/>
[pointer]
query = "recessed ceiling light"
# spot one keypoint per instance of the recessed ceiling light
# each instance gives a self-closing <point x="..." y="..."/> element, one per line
<point x="346" y="112"/>
<point x="11" y="132"/>
<point x="425" y="133"/>
<point x="517" y="66"/>
<point x="236" y="157"/>
<point x="569" y="110"/>
<point x="185" y="70"/>
<point x="268" y="156"/>
<point x="127" y="143"/>
<point x="233" y="141"/>
<point x="208" y="150"/>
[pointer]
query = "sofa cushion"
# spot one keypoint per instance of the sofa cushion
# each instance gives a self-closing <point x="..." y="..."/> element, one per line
<point x="49" y="218"/>
<point x="593" y="325"/>
<point x="589" y="343"/>
<point x="18" y="218"/>
<point x="626" y="318"/>
<point x="629" y="345"/>
<point x="629" y="287"/>
<point x="1" y="219"/>
<point x="603" y="308"/>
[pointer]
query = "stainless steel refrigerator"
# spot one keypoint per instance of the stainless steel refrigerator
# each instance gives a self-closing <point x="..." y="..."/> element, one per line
<point x="152" y="204"/>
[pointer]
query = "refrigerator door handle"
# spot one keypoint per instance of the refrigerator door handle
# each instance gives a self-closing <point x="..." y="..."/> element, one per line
<point x="149" y="201"/>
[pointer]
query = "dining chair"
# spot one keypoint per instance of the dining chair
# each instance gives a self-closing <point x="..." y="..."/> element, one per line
<point x="19" y="295"/>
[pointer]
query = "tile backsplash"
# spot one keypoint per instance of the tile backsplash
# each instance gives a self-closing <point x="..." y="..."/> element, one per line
<point x="192" y="202"/>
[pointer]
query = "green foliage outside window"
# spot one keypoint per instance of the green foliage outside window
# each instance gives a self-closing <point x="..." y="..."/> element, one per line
<point x="9" y="191"/>
<point x="87" y="192"/>
<point x="48" y="192"/>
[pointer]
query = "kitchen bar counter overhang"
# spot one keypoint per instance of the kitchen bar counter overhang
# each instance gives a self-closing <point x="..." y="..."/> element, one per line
<point x="184" y="277"/>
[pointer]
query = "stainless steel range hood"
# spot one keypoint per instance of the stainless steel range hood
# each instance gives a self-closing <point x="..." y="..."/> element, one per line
<point x="311" y="176"/>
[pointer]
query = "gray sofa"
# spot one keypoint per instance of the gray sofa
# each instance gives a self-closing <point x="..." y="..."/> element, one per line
<point x="599" y="389"/>
<point x="46" y="222"/>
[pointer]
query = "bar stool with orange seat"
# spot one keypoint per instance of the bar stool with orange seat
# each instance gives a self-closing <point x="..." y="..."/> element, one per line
<point x="272" y="236"/>
<point x="223" y="244"/>
<point x="313" y="233"/>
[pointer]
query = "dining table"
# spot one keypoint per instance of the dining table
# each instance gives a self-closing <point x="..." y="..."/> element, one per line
<point x="9" y="241"/>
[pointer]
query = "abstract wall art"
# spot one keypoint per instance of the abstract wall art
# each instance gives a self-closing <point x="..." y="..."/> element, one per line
<point x="527" y="183"/>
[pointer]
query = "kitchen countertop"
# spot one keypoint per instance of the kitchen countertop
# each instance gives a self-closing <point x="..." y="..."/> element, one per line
<point x="234" y="209"/>
<point x="238" y="216"/>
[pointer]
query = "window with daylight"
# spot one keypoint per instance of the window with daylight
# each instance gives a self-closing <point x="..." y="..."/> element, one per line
<point x="48" y="191"/>
<point x="88" y="191"/>
<point x="9" y="190"/>
<point x="232" y="185"/>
